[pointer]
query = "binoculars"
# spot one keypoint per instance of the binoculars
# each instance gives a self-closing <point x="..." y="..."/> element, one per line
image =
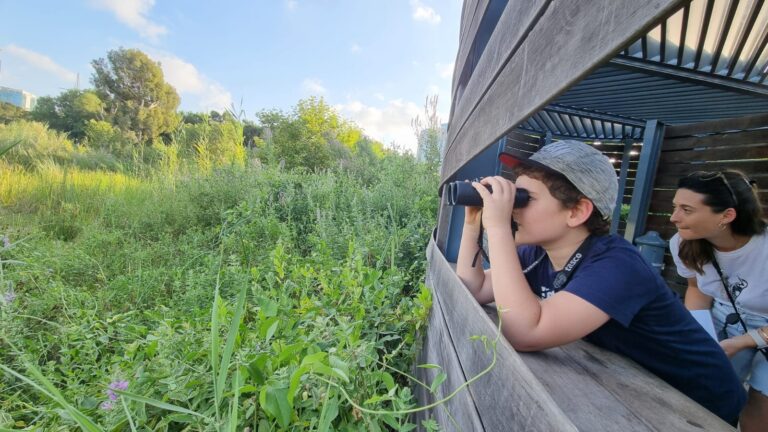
<point x="461" y="193"/>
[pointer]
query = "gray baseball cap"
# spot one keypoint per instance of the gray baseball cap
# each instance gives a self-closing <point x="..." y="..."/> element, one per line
<point x="583" y="165"/>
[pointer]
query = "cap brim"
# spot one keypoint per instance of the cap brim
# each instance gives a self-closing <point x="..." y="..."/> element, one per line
<point x="513" y="162"/>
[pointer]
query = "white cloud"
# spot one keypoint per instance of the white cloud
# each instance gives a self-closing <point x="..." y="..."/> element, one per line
<point x="389" y="123"/>
<point x="355" y="48"/>
<point x="188" y="81"/>
<point x="422" y="12"/>
<point x="291" y="5"/>
<point x="445" y="70"/>
<point x="313" y="86"/>
<point x="133" y="14"/>
<point x="41" y="62"/>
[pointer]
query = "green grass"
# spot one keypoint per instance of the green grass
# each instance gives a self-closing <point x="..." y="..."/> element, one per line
<point x="227" y="297"/>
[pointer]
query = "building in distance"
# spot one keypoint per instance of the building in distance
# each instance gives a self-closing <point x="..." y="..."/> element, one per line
<point x="20" y="98"/>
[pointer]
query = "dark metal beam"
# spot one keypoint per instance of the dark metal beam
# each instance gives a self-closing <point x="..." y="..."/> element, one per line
<point x="681" y="44"/>
<point x="637" y="133"/>
<point x="560" y="109"/>
<point x="692" y="76"/>
<point x="643" y="186"/>
<point x="628" y="143"/>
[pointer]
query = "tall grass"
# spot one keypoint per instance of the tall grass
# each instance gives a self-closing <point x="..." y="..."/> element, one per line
<point x="225" y="296"/>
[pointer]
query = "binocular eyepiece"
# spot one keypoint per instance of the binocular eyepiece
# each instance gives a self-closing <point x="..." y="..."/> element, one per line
<point x="461" y="193"/>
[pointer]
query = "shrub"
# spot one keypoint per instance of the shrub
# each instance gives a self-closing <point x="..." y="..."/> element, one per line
<point x="36" y="143"/>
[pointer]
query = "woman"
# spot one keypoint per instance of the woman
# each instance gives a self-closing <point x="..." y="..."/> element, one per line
<point x="720" y="224"/>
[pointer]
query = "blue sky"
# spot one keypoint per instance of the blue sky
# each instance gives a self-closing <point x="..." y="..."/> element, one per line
<point x="374" y="61"/>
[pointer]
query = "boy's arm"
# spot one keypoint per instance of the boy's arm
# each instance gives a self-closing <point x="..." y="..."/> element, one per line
<point x="530" y="324"/>
<point x="477" y="281"/>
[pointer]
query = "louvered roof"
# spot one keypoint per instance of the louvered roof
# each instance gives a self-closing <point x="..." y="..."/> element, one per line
<point x="706" y="61"/>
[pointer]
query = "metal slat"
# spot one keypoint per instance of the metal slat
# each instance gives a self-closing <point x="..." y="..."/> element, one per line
<point x="592" y="114"/>
<point x="724" y="35"/>
<point x="757" y="6"/>
<point x="663" y="42"/>
<point x="693" y="76"/>
<point x="681" y="46"/>
<point x="756" y="57"/>
<point x="703" y="33"/>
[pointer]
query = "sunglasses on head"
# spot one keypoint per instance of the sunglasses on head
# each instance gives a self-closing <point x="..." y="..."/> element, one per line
<point x="711" y="175"/>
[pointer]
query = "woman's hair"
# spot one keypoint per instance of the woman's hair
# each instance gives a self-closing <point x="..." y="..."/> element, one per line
<point x="565" y="192"/>
<point x="722" y="190"/>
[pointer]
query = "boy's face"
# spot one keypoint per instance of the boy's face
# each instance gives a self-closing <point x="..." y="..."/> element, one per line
<point x="544" y="219"/>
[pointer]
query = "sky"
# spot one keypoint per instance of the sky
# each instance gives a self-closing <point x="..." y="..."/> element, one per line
<point x="374" y="61"/>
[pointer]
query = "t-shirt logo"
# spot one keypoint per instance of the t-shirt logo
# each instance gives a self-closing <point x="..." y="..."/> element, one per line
<point x="546" y="292"/>
<point x="737" y="287"/>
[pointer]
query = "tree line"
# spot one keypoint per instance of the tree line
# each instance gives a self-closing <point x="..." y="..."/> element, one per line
<point x="131" y="103"/>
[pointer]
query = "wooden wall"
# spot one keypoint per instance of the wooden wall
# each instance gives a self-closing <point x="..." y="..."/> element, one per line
<point x="740" y="143"/>
<point x="516" y="75"/>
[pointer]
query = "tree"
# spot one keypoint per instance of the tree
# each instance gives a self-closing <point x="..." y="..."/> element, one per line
<point x="135" y="93"/>
<point x="69" y="112"/>
<point x="300" y="139"/>
<point x="10" y="113"/>
<point x="428" y="134"/>
<point x="313" y="136"/>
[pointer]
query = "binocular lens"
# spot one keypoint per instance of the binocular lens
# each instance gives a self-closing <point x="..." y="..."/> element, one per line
<point x="462" y="193"/>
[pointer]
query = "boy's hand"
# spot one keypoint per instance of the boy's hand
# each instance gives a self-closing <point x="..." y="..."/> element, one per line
<point x="497" y="206"/>
<point x="472" y="215"/>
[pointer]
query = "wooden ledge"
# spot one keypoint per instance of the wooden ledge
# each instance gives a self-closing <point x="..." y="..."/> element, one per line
<point x="575" y="387"/>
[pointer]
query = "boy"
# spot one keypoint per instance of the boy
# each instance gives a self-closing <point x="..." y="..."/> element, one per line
<point x="580" y="282"/>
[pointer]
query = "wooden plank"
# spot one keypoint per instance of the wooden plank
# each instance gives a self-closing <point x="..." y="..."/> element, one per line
<point x="739" y="123"/>
<point x="508" y="397"/>
<point x="649" y="403"/>
<point x="717" y="154"/>
<point x="555" y="369"/>
<point x="443" y="222"/>
<point x="510" y="31"/>
<point x="568" y="42"/>
<point x="458" y="413"/>
<point x="675" y="171"/>
<point x="469" y="26"/>
<point x="468" y="10"/>
<point x="668" y="180"/>
<point x="725" y="139"/>
<point x="660" y="405"/>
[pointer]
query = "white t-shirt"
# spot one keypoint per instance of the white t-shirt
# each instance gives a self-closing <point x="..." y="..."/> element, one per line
<point x="745" y="268"/>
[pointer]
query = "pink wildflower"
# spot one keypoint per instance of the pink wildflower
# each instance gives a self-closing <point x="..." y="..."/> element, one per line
<point x="115" y="385"/>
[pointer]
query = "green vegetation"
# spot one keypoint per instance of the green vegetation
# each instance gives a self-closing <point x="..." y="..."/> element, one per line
<point x="135" y="95"/>
<point x="209" y="278"/>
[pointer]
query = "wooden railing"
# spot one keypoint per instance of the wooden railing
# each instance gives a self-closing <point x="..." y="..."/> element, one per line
<point x="575" y="387"/>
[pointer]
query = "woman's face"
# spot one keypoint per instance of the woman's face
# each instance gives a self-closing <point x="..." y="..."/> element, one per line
<point x="694" y="219"/>
<point x="544" y="219"/>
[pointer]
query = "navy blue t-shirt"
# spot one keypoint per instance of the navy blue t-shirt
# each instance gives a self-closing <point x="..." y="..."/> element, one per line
<point x="648" y="323"/>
